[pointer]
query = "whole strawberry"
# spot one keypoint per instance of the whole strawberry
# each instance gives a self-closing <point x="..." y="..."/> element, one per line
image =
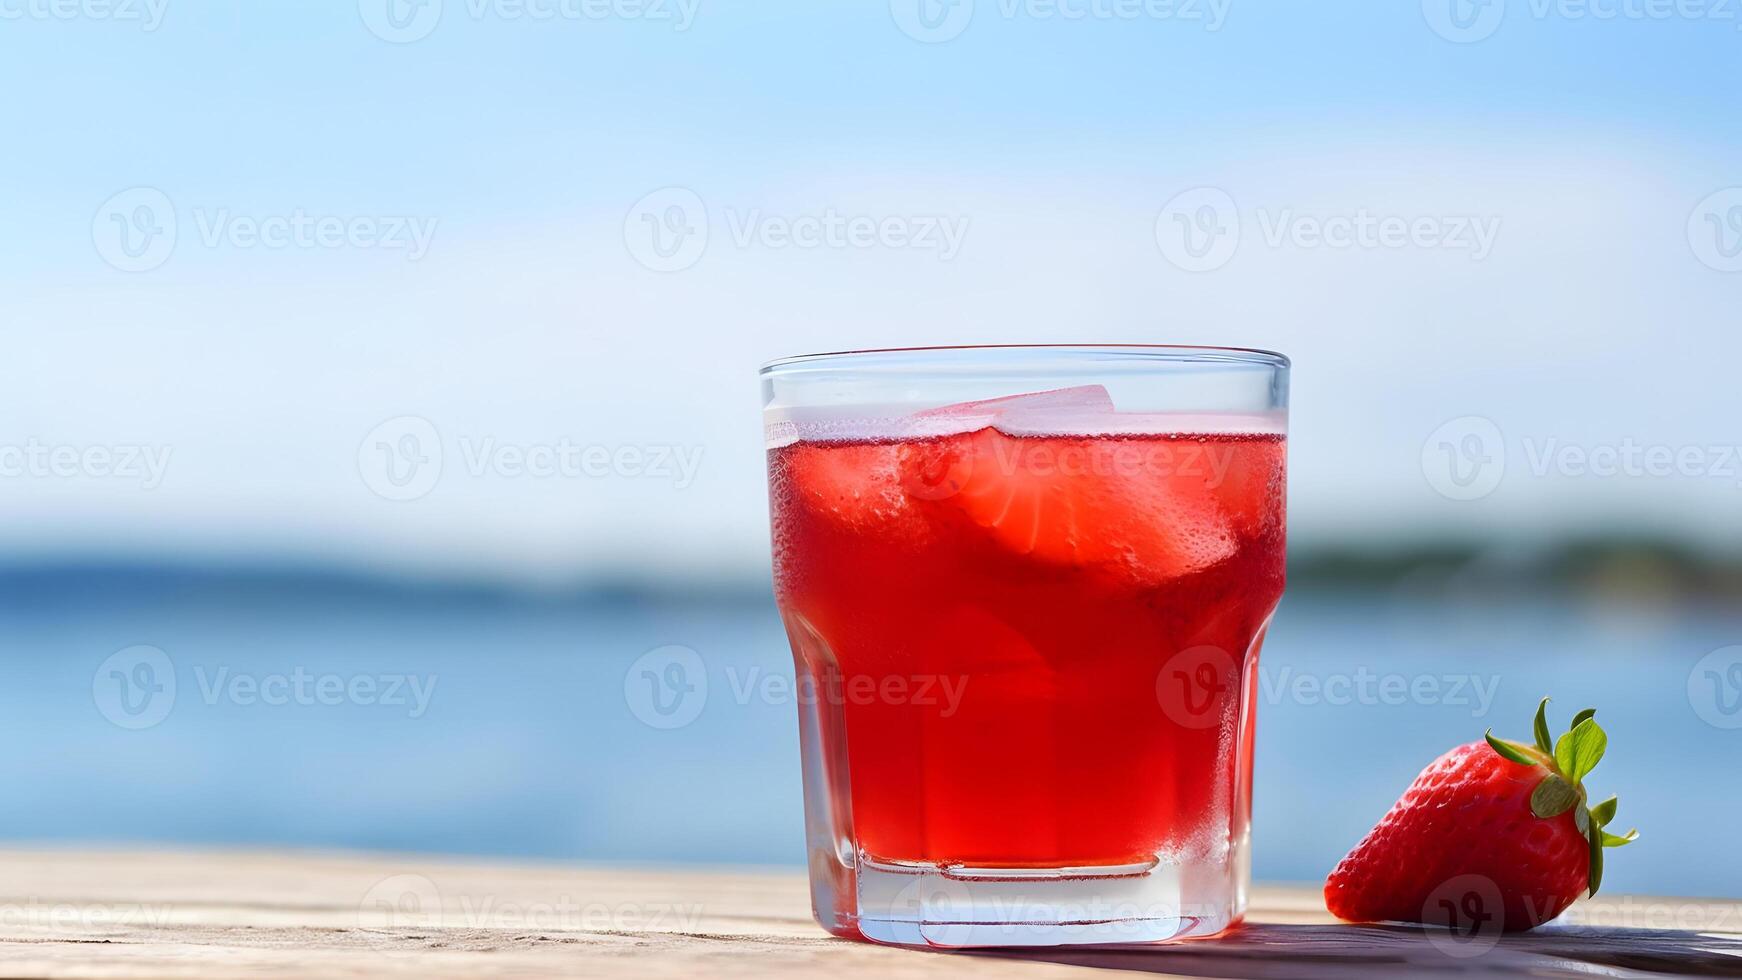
<point x="1493" y="833"/>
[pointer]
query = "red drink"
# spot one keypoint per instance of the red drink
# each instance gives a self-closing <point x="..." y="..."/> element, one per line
<point x="1030" y="651"/>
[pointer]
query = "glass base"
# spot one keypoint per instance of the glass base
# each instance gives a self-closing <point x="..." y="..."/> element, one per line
<point x="954" y="907"/>
<point x="1193" y="886"/>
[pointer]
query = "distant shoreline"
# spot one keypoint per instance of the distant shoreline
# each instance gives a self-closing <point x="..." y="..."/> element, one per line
<point x="1652" y="570"/>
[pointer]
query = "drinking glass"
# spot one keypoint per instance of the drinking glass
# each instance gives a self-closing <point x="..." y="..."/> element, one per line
<point x="1025" y="588"/>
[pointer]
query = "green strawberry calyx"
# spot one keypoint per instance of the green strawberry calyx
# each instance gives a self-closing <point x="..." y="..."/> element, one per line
<point x="1568" y="760"/>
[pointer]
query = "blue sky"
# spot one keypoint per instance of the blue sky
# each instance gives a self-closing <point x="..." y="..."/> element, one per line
<point x="526" y="146"/>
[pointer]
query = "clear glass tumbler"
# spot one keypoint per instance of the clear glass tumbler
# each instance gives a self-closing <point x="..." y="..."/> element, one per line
<point x="1025" y="589"/>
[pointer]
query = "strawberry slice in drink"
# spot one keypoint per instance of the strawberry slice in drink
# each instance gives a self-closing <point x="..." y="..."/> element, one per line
<point x="1073" y="500"/>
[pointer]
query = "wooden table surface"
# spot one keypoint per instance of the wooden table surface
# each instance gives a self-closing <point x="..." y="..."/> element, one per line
<point x="129" y="914"/>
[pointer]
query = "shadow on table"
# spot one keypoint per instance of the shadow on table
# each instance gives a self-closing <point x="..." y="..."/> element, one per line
<point x="1311" y="952"/>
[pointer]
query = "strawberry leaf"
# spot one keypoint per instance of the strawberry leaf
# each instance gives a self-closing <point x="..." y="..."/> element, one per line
<point x="1553" y="797"/>
<point x="1582" y="820"/>
<point x="1543" y="741"/>
<point x="1510" y="750"/>
<point x="1581" y="716"/>
<point x="1579" y="750"/>
<point x="1596" y="839"/>
<point x="1610" y="840"/>
<point x="1604" y="811"/>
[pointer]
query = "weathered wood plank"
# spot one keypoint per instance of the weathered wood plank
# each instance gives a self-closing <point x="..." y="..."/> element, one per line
<point x="129" y="914"/>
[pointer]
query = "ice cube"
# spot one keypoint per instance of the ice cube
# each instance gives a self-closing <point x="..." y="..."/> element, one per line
<point x="1034" y="411"/>
<point x="1086" y="397"/>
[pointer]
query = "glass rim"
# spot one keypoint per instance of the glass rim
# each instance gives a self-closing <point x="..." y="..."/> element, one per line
<point x="1161" y="352"/>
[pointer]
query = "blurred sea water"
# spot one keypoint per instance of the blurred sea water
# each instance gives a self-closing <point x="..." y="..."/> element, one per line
<point x="210" y="708"/>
